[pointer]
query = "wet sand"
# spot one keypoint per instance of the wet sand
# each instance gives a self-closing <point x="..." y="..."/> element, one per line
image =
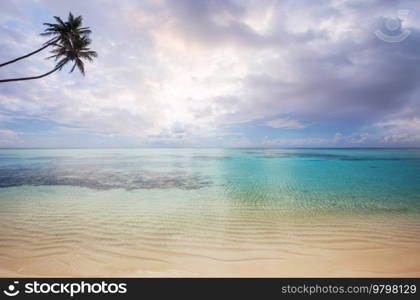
<point x="102" y="239"/>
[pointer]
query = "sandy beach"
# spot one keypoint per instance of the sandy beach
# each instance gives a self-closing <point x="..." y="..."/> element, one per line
<point x="217" y="213"/>
<point x="62" y="243"/>
<point x="209" y="138"/>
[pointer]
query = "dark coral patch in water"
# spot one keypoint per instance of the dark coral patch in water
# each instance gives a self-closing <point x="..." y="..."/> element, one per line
<point x="102" y="178"/>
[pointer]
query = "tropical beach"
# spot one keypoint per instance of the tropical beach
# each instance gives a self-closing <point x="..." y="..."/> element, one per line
<point x="210" y="212"/>
<point x="211" y="138"/>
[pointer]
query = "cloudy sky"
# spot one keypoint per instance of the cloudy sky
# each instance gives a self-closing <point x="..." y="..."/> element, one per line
<point x="217" y="73"/>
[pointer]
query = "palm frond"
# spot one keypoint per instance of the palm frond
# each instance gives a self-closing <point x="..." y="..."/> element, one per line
<point x="58" y="19"/>
<point x="70" y="42"/>
<point x="80" y="66"/>
<point x="72" y="69"/>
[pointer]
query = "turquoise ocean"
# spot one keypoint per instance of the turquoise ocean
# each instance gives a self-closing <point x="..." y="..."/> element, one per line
<point x="151" y="210"/>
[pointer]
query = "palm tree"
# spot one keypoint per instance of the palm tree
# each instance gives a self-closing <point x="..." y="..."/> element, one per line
<point x="59" y="31"/>
<point x="72" y="50"/>
<point x="70" y="44"/>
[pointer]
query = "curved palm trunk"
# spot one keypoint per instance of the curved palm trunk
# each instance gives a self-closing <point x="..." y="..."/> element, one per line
<point x="33" y="77"/>
<point x="27" y="55"/>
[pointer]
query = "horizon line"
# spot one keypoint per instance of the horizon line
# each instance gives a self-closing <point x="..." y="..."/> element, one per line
<point x="139" y="147"/>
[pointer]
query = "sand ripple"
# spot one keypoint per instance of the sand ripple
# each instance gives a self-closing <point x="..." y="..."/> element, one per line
<point x="126" y="239"/>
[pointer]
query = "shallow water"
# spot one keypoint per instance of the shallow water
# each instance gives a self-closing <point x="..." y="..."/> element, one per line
<point x="209" y="212"/>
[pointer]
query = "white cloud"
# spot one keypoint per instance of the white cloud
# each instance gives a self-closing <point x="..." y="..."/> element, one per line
<point x="9" y="138"/>
<point x="409" y="124"/>
<point x="297" y="142"/>
<point x="359" y="138"/>
<point x="337" y="140"/>
<point x="176" y="70"/>
<point x="401" y="138"/>
<point x="285" y="124"/>
<point x="8" y="133"/>
<point x="401" y="131"/>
